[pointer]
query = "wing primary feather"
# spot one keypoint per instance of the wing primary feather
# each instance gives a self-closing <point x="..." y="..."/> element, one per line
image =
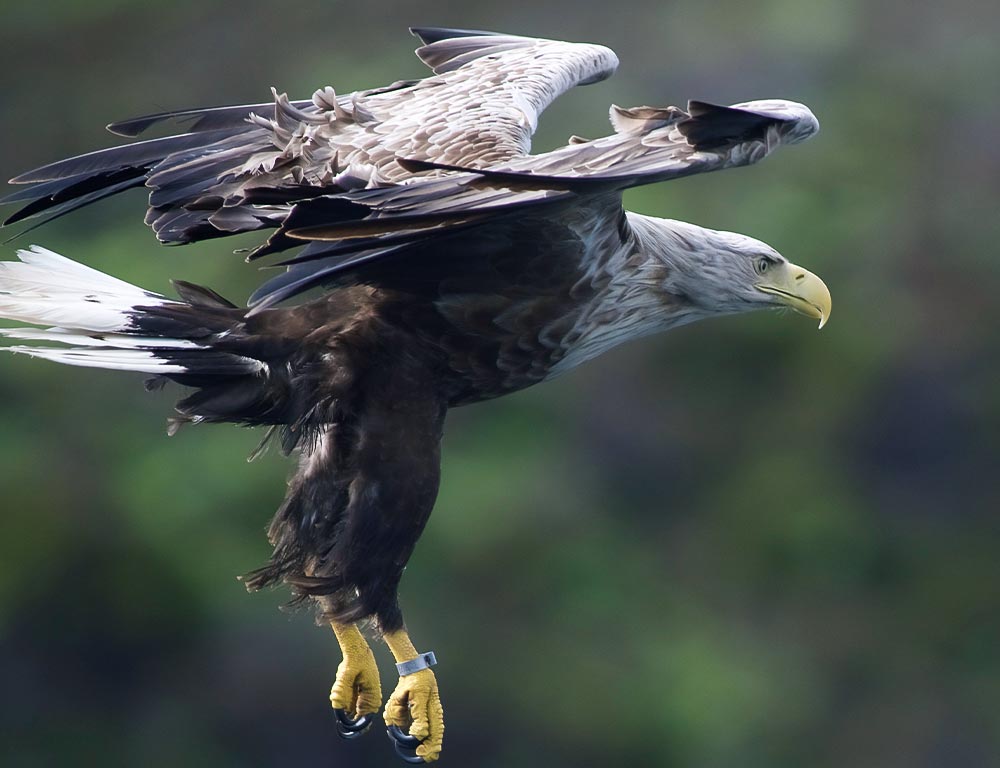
<point x="200" y="119"/>
<point x="137" y="154"/>
<point x="522" y="179"/>
<point x="429" y="35"/>
<point x="449" y="53"/>
<point x="711" y="125"/>
<point x="371" y="227"/>
<point x="42" y="189"/>
<point x="303" y="277"/>
<point x="82" y="189"/>
<point x="322" y="249"/>
<point x="80" y="202"/>
<point x="344" y="246"/>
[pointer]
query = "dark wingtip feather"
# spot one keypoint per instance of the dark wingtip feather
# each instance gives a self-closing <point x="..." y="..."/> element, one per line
<point x="711" y="125"/>
<point x="58" y="210"/>
<point x="196" y="120"/>
<point x="53" y="194"/>
<point x="140" y="153"/>
<point x="299" y="278"/>
<point x="132" y="127"/>
<point x="446" y="50"/>
<point x="429" y="35"/>
<point x="514" y="179"/>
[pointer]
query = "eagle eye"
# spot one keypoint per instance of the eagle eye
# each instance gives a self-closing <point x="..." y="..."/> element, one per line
<point x="762" y="266"/>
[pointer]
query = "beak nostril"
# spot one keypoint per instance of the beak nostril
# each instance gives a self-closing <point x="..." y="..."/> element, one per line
<point x="800" y="276"/>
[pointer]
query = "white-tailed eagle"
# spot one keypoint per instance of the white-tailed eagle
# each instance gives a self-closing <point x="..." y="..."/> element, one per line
<point x="452" y="267"/>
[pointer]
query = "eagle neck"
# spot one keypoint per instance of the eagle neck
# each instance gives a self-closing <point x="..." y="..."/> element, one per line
<point x="630" y="297"/>
<point x="689" y="264"/>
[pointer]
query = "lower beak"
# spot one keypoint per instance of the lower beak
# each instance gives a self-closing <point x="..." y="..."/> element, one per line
<point x="801" y="290"/>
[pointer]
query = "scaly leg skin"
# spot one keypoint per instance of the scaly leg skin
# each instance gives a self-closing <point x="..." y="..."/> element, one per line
<point x="357" y="691"/>
<point x="415" y="703"/>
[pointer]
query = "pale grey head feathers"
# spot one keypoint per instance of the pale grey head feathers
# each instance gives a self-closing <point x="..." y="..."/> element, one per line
<point x="712" y="271"/>
<point x="715" y="272"/>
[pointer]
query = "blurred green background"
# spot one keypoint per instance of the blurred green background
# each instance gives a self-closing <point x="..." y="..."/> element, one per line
<point x="744" y="543"/>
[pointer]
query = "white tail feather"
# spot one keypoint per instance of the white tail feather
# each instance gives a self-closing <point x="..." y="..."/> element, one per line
<point x="116" y="341"/>
<point x="47" y="273"/>
<point x="45" y="288"/>
<point x="114" y="359"/>
<point x="92" y="313"/>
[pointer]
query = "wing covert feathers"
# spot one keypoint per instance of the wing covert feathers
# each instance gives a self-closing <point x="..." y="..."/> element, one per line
<point x="653" y="144"/>
<point x="366" y="176"/>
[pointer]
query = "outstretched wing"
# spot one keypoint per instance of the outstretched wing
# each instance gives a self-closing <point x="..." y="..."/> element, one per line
<point x="498" y="85"/>
<point x="654" y="144"/>
<point x="650" y="144"/>
<point x="380" y="173"/>
<point x="237" y="170"/>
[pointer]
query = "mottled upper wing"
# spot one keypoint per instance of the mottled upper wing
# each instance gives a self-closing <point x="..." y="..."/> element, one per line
<point x="245" y="168"/>
<point x="374" y="175"/>
<point x="652" y="144"/>
<point x="495" y="87"/>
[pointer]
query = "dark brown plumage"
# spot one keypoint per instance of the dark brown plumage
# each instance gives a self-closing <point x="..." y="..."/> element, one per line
<point x="369" y="370"/>
<point x="456" y="267"/>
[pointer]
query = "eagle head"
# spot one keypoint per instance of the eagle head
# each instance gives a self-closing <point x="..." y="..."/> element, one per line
<point x="714" y="272"/>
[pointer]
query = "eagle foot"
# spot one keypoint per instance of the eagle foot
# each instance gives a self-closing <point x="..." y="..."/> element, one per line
<point x="357" y="692"/>
<point x="415" y="718"/>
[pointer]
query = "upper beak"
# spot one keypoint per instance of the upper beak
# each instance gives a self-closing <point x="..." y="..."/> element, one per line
<point x="799" y="289"/>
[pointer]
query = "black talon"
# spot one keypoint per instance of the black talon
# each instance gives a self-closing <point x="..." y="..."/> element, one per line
<point x="405" y="744"/>
<point x="351" y="729"/>
<point x="402" y="738"/>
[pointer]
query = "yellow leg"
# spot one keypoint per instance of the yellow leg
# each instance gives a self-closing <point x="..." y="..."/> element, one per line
<point x="416" y="702"/>
<point x="357" y="690"/>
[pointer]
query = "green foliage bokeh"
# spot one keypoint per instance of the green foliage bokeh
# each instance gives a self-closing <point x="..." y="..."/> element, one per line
<point x="740" y="544"/>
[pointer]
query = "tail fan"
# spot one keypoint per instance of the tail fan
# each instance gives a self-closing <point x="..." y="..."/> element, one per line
<point x="241" y="371"/>
<point x="95" y="320"/>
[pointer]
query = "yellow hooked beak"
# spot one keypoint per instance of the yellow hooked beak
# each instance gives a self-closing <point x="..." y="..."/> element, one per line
<point x="799" y="289"/>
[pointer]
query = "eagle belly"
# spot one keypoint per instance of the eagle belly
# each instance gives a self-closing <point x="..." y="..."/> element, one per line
<point x="368" y="442"/>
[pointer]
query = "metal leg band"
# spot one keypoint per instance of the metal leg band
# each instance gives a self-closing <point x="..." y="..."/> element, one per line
<point x="423" y="661"/>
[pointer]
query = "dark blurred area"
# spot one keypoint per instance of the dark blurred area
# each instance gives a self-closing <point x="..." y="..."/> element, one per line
<point x="743" y="543"/>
